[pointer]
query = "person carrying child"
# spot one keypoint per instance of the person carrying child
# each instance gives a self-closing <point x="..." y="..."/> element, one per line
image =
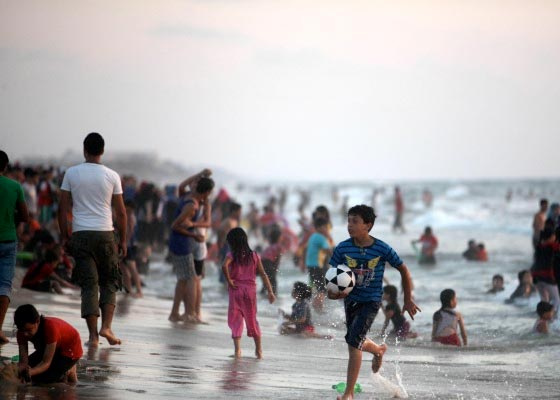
<point x="240" y="269"/>
<point x="393" y="313"/>
<point x="57" y="344"/>
<point x="545" y="310"/>
<point x="366" y="256"/>
<point x="444" y="329"/>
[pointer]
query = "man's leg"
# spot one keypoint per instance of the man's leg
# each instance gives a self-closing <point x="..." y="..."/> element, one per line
<point x="4" y="303"/>
<point x="91" y="322"/>
<point x="85" y="275"/>
<point x="90" y="306"/>
<point x="177" y="299"/>
<point x="189" y="298"/>
<point x="7" y="271"/>
<point x="107" y="313"/>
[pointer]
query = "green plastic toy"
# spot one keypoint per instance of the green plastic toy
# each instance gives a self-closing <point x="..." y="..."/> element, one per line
<point x="340" y="387"/>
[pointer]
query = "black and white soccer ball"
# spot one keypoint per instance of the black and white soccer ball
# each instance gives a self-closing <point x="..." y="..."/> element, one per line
<point x="340" y="279"/>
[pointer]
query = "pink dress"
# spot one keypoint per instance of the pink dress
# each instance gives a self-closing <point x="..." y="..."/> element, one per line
<point x="243" y="299"/>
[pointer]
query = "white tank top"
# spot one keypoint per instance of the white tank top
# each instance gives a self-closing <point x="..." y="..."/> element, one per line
<point x="447" y="319"/>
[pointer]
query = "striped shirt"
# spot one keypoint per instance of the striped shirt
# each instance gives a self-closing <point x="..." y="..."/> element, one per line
<point x="368" y="265"/>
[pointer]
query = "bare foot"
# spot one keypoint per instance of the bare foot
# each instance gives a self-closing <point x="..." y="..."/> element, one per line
<point x="259" y="354"/>
<point x="200" y="321"/>
<point x="378" y="358"/>
<point x="344" y="397"/>
<point x="110" y="336"/>
<point x="138" y="295"/>
<point x="93" y="341"/>
<point x="189" y="319"/>
<point x="174" y="318"/>
<point x="237" y="354"/>
<point x="3" y="339"/>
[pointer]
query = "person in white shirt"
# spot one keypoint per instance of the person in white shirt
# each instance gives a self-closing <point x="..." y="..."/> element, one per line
<point x="90" y="191"/>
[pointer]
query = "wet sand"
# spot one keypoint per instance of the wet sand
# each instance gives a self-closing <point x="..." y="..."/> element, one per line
<point x="159" y="360"/>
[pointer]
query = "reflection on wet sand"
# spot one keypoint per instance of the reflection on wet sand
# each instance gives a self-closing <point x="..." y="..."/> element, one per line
<point x="238" y="374"/>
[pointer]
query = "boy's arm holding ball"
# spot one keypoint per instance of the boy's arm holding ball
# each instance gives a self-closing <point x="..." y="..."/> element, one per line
<point x="336" y="296"/>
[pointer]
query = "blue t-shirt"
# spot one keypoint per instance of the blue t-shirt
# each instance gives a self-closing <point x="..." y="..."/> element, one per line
<point x="180" y="244"/>
<point x="368" y="265"/>
<point x="313" y="255"/>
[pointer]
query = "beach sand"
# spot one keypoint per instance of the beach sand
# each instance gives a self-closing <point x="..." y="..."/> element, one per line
<point x="159" y="360"/>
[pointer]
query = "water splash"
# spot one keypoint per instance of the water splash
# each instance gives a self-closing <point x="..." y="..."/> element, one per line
<point x="384" y="385"/>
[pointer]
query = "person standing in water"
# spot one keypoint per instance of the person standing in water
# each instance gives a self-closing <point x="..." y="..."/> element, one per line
<point x="181" y="249"/>
<point x="538" y="221"/>
<point x="366" y="256"/>
<point x="240" y="269"/>
<point x="91" y="191"/>
<point x="399" y="211"/>
<point x="12" y="211"/>
<point x="429" y="244"/>
<point x="203" y="220"/>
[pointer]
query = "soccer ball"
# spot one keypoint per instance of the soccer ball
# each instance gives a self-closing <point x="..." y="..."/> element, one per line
<point x="340" y="279"/>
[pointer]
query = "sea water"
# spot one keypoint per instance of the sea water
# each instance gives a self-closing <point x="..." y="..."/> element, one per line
<point x="503" y="359"/>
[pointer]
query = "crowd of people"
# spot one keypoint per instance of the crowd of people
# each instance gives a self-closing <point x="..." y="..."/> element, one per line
<point x="87" y="228"/>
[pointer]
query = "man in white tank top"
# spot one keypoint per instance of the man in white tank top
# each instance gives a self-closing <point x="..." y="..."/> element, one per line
<point x="90" y="191"/>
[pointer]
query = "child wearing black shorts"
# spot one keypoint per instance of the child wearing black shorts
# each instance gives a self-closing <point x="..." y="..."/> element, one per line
<point x="366" y="257"/>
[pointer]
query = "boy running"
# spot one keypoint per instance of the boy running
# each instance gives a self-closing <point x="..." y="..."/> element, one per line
<point x="366" y="256"/>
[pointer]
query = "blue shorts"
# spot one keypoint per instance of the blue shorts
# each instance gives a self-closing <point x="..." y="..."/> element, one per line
<point x="359" y="317"/>
<point x="8" y="252"/>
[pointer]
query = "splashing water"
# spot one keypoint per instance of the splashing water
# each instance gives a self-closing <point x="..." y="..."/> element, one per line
<point x="384" y="385"/>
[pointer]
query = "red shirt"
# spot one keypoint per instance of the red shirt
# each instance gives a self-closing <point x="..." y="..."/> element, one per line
<point x="37" y="273"/>
<point x="51" y="330"/>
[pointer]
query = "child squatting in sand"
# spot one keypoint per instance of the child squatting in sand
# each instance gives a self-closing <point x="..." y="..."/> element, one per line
<point x="366" y="255"/>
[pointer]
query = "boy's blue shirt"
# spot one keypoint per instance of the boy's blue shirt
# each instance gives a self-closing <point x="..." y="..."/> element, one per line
<point x="315" y="244"/>
<point x="368" y="265"/>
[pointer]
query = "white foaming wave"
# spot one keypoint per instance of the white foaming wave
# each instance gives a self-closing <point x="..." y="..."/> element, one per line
<point x="457" y="191"/>
<point x="442" y="219"/>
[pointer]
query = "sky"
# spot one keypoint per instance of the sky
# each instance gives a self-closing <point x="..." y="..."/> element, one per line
<point x="290" y="90"/>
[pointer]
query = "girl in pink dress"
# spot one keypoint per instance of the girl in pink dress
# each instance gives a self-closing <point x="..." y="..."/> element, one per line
<point x="240" y="269"/>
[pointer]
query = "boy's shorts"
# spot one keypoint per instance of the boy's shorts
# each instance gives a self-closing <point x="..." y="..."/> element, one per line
<point x="317" y="278"/>
<point x="359" y="317"/>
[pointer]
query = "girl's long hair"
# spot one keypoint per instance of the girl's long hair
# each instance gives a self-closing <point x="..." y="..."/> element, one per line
<point x="239" y="246"/>
<point x="446" y="296"/>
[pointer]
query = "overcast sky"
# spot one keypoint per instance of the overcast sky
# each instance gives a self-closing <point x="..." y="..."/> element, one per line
<point x="318" y="90"/>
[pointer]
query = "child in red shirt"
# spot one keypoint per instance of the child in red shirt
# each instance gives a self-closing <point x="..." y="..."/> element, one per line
<point x="57" y="347"/>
